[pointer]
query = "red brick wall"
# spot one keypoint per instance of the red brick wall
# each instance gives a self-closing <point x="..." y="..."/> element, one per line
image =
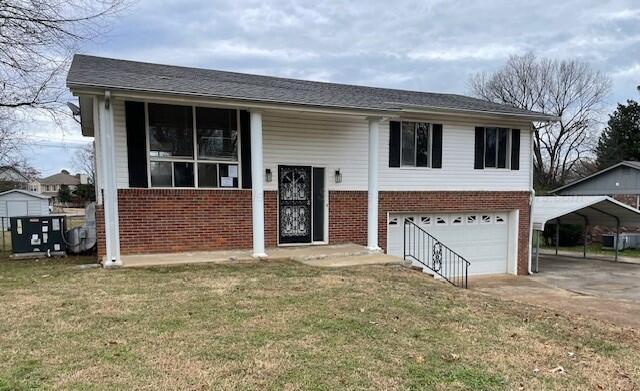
<point x="348" y="212"/>
<point x="100" y="239"/>
<point x="172" y="220"/>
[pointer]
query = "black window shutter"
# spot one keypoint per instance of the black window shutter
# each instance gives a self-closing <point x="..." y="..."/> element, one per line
<point x="436" y="147"/>
<point x="245" y="149"/>
<point x="136" y="143"/>
<point x="479" y="149"/>
<point x="515" y="149"/>
<point x="394" y="144"/>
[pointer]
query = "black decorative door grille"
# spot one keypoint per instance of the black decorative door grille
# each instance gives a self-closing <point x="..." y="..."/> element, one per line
<point x="294" y="185"/>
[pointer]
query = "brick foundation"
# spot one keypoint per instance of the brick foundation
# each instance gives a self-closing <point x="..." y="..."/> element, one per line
<point x="174" y="220"/>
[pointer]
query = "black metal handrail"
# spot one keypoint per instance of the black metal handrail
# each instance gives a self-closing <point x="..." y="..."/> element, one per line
<point x="424" y="248"/>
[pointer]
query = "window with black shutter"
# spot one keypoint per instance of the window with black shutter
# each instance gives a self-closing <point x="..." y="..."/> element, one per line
<point x="497" y="148"/>
<point x="415" y="144"/>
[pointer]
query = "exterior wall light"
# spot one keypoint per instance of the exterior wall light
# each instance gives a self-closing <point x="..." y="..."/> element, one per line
<point x="267" y="175"/>
<point x="338" y="176"/>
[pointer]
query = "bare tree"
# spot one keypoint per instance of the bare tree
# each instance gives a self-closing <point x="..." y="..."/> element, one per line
<point x="85" y="161"/>
<point x="37" y="39"/>
<point x="568" y="89"/>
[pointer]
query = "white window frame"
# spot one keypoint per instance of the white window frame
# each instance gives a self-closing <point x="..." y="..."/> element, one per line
<point x="415" y="145"/>
<point x="194" y="160"/>
<point x="507" y="155"/>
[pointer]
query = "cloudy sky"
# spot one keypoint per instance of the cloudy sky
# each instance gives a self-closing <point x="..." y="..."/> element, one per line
<point x="428" y="45"/>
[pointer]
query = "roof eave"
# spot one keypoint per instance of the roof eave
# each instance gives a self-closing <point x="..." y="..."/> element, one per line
<point x="87" y="88"/>
<point x="78" y="88"/>
<point x="535" y="117"/>
<point x="595" y="174"/>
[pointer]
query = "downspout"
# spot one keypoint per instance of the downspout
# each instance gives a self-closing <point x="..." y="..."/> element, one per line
<point x="532" y="196"/>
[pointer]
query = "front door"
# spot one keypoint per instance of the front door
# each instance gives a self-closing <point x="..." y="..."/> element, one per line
<point x="294" y="201"/>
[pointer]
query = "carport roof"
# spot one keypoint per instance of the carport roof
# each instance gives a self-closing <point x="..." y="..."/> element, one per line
<point x="600" y="210"/>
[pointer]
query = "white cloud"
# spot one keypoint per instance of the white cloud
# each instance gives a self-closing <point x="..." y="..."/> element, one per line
<point x="625" y="14"/>
<point x="632" y="71"/>
<point x="453" y="53"/>
<point x="420" y="45"/>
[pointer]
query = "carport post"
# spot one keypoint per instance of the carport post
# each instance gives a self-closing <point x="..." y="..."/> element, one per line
<point x="617" y="236"/>
<point x="537" y="250"/>
<point x="557" y="235"/>
<point x="584" y="236"/>
<point x="584" y="241"/>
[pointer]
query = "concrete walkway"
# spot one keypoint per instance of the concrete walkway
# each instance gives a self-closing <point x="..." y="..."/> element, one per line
<point x="323" y="256"/>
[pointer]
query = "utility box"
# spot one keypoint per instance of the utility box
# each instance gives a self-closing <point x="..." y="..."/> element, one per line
<point x="33" y="236"/>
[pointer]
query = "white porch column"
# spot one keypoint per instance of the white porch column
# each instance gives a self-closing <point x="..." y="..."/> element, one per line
<point x="372" y="206"/>
<point x="107" y="165"/>
<point x="257" y="186"/>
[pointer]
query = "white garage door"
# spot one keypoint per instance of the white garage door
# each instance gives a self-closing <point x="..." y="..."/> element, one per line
<point x="17" y="208"/>
<point x="481" y="238"/>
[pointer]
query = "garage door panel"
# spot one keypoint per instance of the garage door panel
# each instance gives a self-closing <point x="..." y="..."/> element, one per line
<point x="481" y="238"/>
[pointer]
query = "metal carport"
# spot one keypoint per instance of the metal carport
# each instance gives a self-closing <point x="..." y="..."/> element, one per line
<point x="586" y="210"/>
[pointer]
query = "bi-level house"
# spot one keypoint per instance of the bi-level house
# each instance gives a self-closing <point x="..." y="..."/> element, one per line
<point x="195" y="159"/>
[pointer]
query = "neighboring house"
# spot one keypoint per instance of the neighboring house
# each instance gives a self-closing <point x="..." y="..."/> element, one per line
<point x="620" y="181"/>
<point x="193" y="159"/>
<point x="12" y="178"/>
<point x="50" y="185"/>
<point x="21" y="203"/>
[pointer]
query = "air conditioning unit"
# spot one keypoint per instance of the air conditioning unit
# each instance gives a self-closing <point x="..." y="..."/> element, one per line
<point x="34" y="236"/>
<point x="627" y="240"/>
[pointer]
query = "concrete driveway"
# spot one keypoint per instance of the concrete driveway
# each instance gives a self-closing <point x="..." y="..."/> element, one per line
<point x="593" y="288"/>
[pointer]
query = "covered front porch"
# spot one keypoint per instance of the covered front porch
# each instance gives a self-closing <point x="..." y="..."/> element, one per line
<point x="322" y="256"/>
<point x="140" y="216"/>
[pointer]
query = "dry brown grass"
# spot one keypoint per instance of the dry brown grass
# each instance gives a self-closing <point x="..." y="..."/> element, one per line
<point x="289" y="326"/>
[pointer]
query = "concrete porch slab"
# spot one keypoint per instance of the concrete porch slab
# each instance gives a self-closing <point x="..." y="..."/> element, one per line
<point x="322" y="255"/>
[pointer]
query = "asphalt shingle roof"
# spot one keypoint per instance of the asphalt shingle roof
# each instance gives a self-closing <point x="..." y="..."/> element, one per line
<point x="60" y="179"/>
<point x="90" y="71"/>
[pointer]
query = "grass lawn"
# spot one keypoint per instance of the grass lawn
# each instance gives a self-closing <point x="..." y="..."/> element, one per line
<point x="289" y="326"/>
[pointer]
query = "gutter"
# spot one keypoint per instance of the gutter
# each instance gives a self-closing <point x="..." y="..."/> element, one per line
<point x="401" y="107"/>
<point x="531" y="199"/>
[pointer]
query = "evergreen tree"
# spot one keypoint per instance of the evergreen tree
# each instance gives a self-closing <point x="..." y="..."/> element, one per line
<point x="64" y="194"/>
<point x="621" y="139"/>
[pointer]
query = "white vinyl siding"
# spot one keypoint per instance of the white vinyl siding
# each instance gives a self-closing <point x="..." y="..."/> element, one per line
<point x="119" y="123"/>
<point x="457" y="172"/>
<point x="341" y="142"/>
<point x="321" y="141"/>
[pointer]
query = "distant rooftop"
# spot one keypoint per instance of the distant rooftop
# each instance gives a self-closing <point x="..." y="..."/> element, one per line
<point x="61" y="178"/>
<point x="98" y="72"/>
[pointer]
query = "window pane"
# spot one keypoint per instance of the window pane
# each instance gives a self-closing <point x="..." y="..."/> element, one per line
<point x="422" y="145"/>
<point x="408" y="144"/>
<point x="502" y="148"/>
<point x="217" y="133"/>
<point x="228" y="175"/>
<point x="170" y="130"/>
<point x="183" y="174"/>
<point x="207" y="175"/>
<point x="160" y="174"/>
<point x="490" y="148"/>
